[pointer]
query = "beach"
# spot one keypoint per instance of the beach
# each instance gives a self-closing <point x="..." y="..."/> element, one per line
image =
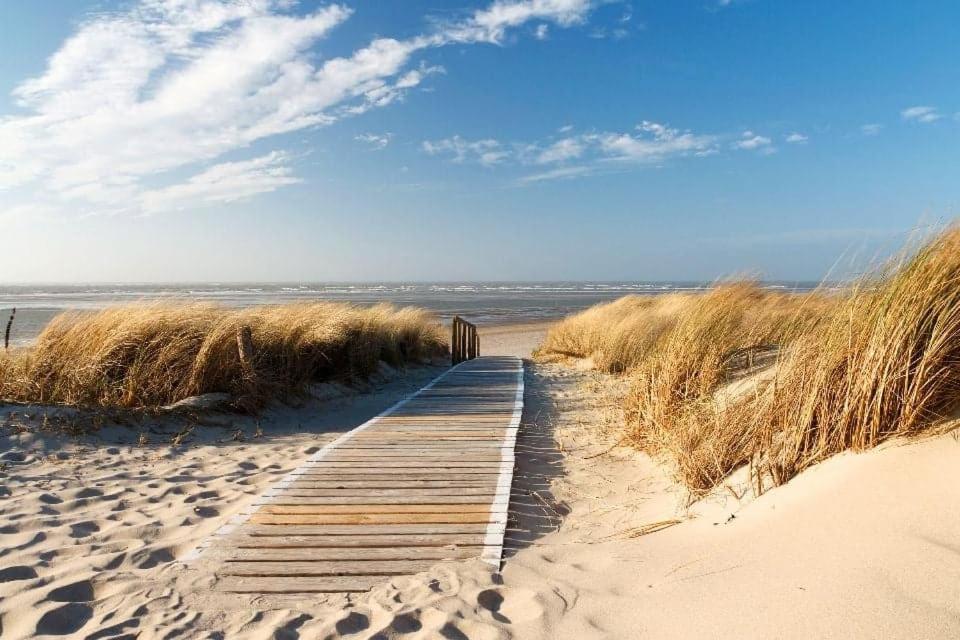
<point x="93" y="528"/>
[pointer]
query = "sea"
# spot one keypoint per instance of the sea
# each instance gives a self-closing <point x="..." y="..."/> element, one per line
<point x="484" y="303"/>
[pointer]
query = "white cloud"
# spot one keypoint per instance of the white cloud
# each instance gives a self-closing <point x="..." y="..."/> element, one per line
<point x="920" y="114"/>
<point x="486" y="152"/>
<point x="651" y="143"/>
<point x="654" y="143"/>
<point x="559" y="173"/>
<point x="225" y="182"/>
<point x="541" y="32"/>
<point x="176" y="84"/>
<point x="871" y="129"/>
<point x="751" y="141"/>
<point x="560" y="151"/>
<point x="376" y="141"/>
<point x="796" y="138"/>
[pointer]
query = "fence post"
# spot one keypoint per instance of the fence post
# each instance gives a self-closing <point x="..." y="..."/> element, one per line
<point x="454" y="342"/>
<point x="6" y="336"/>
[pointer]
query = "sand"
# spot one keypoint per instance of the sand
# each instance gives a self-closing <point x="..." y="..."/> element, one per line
<point x="602" y="542"/>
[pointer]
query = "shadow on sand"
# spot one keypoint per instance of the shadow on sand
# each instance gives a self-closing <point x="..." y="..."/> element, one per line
<point x="534" y="512"/>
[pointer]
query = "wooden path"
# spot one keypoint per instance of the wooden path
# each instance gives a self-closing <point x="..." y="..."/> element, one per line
<point x="427" y="480"/>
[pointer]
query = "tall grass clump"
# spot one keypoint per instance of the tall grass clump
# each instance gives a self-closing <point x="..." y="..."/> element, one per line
<point x="155" y="354"/>
<point x="887" y="364"/>
<point x="618" y="335"/>
<point x="671" y="408"/>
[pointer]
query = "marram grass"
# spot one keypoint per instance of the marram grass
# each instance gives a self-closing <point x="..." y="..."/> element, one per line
<point x="148" y="355"/>
<point x="854" y="368"/>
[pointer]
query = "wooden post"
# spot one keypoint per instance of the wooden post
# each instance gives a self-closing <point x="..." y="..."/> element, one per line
<point x="245" y="350"/>
<point x="464" y="340"/>
<point x="6" y="336"/>
<point x="454" y="340"/>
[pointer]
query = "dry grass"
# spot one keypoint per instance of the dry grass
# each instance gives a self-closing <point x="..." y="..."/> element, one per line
<point x="151" y="355"/>
<point x="887" y="364"/>
<point x="854" y="369"/>
<point x="618" y="335"/>
<point x="671" y="408"/>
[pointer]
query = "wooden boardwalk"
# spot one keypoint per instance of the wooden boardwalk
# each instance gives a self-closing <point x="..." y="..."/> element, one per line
<point x="427" y="480"/>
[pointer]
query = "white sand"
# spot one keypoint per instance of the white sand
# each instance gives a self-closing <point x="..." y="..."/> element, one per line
<point x="860" y="546"/>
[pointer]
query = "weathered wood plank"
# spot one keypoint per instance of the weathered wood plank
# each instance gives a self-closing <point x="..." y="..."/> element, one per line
<point x="326" y="584"/>
<point x="320" y="554"/>
<point x="360" y="540"/>
<point x="326" y="568"/>
<point x="374" y="509"/>
<point x="412" y="498"/>
<point x="355" y="530"/>
<point x="372" y="518"/>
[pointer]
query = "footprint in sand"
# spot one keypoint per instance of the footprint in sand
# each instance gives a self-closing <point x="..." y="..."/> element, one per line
<point x="89" y="492"/>
<point x="353" y="623"/>
<point x="83" y="529"/>
<point x="149" y="558"/>
<point x="19" y="572"/>
<point x="405" y="623"/>
<point x="64" y="620"/>
<point x="49" y="498"/>
<point x="76" y="592"/>
<point x="511" y="605"/>
<point x="206" y="512"/>
<point x="203" y="495"/>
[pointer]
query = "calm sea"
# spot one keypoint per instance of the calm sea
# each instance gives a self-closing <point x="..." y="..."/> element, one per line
<point x="480" y="302"/>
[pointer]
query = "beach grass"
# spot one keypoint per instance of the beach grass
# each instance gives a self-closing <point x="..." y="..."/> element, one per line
<point x="834" y="371"/>
<point x="150" y="355"/>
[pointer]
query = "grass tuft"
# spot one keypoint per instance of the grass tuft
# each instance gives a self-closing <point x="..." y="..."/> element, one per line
<point x="150" y="355"/>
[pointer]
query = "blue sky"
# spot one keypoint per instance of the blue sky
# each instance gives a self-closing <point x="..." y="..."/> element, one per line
<point x="514" y="140"/>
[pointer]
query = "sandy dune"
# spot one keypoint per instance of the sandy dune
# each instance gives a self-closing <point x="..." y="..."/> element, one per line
<point x="602" y="543"/>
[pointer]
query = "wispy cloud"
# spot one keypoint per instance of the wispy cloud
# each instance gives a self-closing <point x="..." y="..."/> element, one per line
<point x="486" y="152"/>
<point x="170" y="85"/>
<point x="561" y="151"/>
<point x="225" y="182"/>
<point x="922" y="114"/>
<point x="650" y="143"/>
<point x="559" y="173"/>
<point x="375" y="141"/>
<point x="796" y="138"/>
<point x="751" y="141"/>
<point x="871" y="129"/>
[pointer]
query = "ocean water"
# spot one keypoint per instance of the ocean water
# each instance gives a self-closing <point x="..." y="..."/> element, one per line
<point x="478" y="302"/>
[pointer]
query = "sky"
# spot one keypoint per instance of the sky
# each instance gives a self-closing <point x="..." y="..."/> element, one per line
<point x="276" y="140"/>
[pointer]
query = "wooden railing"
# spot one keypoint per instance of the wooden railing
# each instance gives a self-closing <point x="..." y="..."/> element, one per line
<point x="465" y="342"/>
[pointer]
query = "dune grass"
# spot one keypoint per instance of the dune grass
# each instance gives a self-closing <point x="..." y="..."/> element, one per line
<point x="853" y="369"/>
<point x="887" y="364"/>
<point x="149" y="355"/>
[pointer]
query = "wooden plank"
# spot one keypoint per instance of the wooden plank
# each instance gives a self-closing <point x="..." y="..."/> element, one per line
<point x="312" y="482"/>
<point x="402" y="464"/>
<point x="466" y="493"/>
<point x="414" y="498"/>
<point x="318" y="554"/>
<point x="371" y="509"/>
<point x="360" y="540"/>
<point x="326" y="568"/>
<point x="326" y="584"/>
<point x="372" y="518"/>
<point x="355" y="530"/>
